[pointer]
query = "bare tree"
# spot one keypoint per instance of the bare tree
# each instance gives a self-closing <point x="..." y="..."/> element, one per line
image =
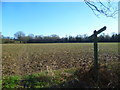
<point x="107" y="8"/>
<point x="19" y="35"/>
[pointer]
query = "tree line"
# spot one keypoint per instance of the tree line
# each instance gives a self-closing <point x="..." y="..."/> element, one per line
<point x="20" y="37"/>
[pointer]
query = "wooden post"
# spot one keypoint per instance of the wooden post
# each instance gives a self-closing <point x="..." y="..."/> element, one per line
<point x="96" y="55"/>
<point x="95" y="50"/>
<point x="96" y="62"/>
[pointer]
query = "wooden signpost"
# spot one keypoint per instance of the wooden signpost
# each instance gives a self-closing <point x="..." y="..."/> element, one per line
<point x="96" y="64"/>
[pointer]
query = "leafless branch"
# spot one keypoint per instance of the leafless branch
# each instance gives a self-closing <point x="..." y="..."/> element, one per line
<point x="107" y="8"/>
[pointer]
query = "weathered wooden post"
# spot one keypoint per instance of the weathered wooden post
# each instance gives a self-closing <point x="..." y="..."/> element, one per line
<point x="95" y="55"/>
<point x="96" y="62"/>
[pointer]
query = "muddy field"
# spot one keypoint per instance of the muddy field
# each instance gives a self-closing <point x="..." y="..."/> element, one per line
<point x="24" y="59"/>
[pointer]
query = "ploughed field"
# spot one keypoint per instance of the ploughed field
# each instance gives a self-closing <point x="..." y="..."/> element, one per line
<point x="25" y="59"/>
